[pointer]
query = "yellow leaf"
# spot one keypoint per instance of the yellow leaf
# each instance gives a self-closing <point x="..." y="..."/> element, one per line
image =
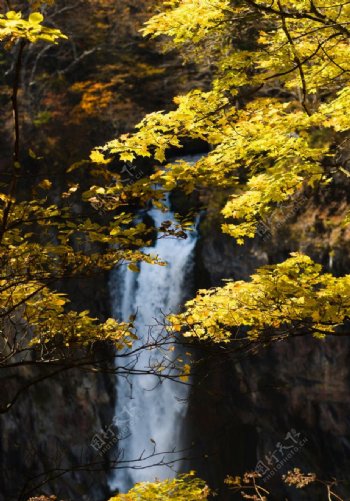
<point x="127" y="157"/>
<point x="133" y="267"/>
<point x="36" y="18"/>
<point x="98" y="158"/>
<point x="45" y="184"/>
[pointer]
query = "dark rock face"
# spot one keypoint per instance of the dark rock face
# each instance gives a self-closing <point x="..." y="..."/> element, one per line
<point x="46" y="436"/>
<point x="49" y="431"/>
<point x="244" y="405"/>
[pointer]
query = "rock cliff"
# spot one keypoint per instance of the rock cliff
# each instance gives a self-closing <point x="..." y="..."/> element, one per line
<point x="244" y="405"/>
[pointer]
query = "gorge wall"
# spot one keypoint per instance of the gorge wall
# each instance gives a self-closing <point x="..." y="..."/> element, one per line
<point x="246" y="404"/>
<point x="45" y="438"/>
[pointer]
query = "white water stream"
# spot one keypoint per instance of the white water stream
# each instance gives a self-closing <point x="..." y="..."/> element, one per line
<point x="149" y="415"/>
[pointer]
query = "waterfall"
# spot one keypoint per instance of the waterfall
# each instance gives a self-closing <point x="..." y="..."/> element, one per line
<point x="149" y="415"/>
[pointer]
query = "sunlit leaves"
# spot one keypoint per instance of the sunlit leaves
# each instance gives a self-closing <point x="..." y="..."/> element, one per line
<point x="66" y="246"/>
<point x="291" y="297"/>
<point x="45" y="315"/>
<point x="183" y="488"/>
<point x="271" y="147"/>
<point x="13" y="27"/>
<point x="277" y="103"/>
<point x="158" y="132"/>
<point x="188" y="20"/>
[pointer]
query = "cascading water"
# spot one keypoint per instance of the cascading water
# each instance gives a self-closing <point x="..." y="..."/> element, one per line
<point x="149" y="414"/>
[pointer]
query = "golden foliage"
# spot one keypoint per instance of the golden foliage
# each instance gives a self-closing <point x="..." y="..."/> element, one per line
<point x="280" y="300"/>
<point x="183" y="488"/>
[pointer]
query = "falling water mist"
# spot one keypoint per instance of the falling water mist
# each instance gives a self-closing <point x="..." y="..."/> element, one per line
<point x="149" y="414"/>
